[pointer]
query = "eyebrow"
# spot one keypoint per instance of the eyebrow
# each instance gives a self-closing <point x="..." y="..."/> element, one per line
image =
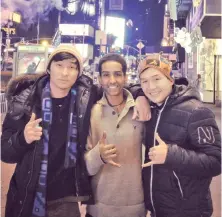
<point x="111" y="72"/>
<point x="151" y="77"/>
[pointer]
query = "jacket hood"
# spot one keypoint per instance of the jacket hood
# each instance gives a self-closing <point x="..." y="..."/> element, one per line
<point x="18" y="84"/>
<point x="68" y="49"/>
<point x="182" y="93"/>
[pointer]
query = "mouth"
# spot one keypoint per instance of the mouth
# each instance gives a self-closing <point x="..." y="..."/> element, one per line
<point x="154" y="93"/>
<point x="113" y="87"/>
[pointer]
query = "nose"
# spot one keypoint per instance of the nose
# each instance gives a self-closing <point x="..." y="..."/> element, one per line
<point x="112" y="79"/>
<point x="150" y="86"/>
<point x="65" y="71"/>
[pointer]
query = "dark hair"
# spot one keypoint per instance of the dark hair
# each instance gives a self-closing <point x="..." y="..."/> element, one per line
<point x="113" y="57"/>
<point x="63" y="56"/>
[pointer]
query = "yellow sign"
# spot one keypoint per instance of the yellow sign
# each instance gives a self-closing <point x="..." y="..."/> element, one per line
<point x="31" y="48"/>
<point x="10" y="31"/>
<point x="16" y="17"/>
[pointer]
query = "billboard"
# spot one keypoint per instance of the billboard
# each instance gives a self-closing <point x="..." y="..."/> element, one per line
<point x="30" y="59"/>
<point x="116" y="26"/>
<point x="76" y="29"/>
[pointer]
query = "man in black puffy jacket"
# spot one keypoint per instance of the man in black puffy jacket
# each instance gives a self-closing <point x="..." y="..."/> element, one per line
<point x="183" y="145"/>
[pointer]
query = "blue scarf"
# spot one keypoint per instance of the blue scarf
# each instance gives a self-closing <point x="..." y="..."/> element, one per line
<point x="39" y="207"/>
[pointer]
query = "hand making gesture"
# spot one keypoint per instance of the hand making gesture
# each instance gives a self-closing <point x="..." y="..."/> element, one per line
<point x="107" y="151"/>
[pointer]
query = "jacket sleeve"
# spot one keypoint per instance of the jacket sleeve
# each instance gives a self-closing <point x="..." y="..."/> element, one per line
<point x="135" y="90"/>
<point x="13" y="144"/>
<point x="92" y="155"/>
<point x="204" y="157"/>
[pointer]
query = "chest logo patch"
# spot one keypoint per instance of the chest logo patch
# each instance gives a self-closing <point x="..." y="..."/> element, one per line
<point x="205" y="135"/>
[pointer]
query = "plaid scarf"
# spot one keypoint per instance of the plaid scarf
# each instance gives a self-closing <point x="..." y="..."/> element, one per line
<point x="39" y="207"/>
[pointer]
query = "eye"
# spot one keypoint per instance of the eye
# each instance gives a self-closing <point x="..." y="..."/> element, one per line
<point x="157" y="79"/>
<point x="144" y="82"/>
<point x="59" y="64"/>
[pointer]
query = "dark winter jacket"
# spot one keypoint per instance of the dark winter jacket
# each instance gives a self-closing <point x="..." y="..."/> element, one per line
<point x="24" y="96"/>
<point x="180" y="187"/>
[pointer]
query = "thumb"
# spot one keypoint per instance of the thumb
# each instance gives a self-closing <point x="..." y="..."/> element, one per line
<point x="148" y="164"/>
<point x="103" y="138"/>
<point x="33" y="117"/>
<point x="134" y="113"/>
<point x="114" y="163"/>
<point x="158" y="139"/>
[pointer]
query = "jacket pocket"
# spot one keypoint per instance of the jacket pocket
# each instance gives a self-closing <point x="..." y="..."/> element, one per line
<point x="179" y="184"/>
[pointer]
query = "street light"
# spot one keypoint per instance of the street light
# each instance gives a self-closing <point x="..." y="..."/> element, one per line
<point x="164" y="42"/>
<point x="45" y="43"/>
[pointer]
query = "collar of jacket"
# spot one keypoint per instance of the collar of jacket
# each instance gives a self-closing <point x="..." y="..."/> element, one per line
<point x="129" y="99"/>
<point x="179" y="94"/>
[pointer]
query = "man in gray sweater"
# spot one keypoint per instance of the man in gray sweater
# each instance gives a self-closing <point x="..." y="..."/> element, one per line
<point x="114" y="147"/>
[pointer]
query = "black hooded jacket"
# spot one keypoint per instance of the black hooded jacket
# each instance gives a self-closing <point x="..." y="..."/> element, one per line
<point x="24" y="97"/>
<point x="180" y="186"/>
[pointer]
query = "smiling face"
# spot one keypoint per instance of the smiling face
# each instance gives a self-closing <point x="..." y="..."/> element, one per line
<point x="63" y="74"/>
<point x="156" y="86"/>
<point x="112" y="78"/>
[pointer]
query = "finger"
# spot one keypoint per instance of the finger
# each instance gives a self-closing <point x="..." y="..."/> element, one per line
<point x="150" y="153"/>
<point x="114" y="163"/>
<point x="111" y="156"/>
<point x="34" y="134"/>
<point x="37" y="129"/>
<point x="36" y="122"/>
<point x="37" y="134"/>
<point x="152" y="149"/>
<point x="111" y="151"/>
<point x="148" y="164"/>
<point x="110" y="146"/>
<point x="33" y="117"/>
<point x="103" y="138"/>
<point x="35" y="138"/>
<point x="135" y="113"/>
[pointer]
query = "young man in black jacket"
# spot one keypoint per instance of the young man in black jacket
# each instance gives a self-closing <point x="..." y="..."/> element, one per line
<point x="50" y="177"/>
<point x="45" y="132"/>
<point x="183" y="145"/>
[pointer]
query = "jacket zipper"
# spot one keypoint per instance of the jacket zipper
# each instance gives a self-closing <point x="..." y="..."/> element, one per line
<point x="154" y="144"/>
<point x="78" y="116"/>
<point x="26" y="189"/>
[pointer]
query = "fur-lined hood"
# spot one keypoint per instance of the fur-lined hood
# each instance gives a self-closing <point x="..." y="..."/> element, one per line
<point x="18" y="84"/>
<point x="21" y="82"/>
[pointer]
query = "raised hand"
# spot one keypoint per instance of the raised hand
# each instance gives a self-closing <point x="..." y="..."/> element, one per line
<point x="107" y="151"/>
<point x="157" y="154"/>
<point x="32" y="131"/>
